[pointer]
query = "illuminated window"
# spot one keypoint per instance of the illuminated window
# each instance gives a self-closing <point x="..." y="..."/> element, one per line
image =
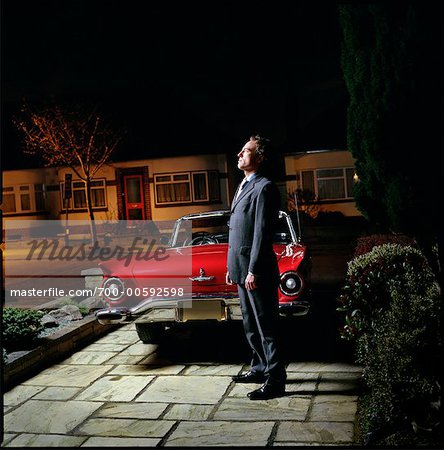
<point x="23" y="198"/>
<point x="329" y="184"/>
<point x="187" y="187"/>
<point x="78" y="201"/>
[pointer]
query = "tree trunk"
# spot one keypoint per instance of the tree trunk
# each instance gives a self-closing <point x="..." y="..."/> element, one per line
<point x="94" y="238"/>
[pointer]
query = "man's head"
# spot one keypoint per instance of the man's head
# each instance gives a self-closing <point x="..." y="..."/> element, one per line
<point x="253" y="154"/>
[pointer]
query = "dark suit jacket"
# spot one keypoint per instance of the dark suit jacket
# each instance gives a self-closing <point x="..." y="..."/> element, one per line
<point x="253" y="220"/>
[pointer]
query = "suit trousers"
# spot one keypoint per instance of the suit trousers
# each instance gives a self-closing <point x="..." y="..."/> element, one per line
<point x="260" y="312"/>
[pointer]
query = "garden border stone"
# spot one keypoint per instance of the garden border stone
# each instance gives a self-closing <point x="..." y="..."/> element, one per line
<point x="55" y="347"/>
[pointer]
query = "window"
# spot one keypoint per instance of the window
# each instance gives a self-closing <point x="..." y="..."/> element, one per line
<point x="329" y="184"/>
<point x="23" y="198"/>
<point x="8" y="205"/>
<point x="39" y="190"/>
<point x="214" y="185"/>
<point x="187" y="187"/>
<point x="78" y="201"/>
<point x="173" y="188"/>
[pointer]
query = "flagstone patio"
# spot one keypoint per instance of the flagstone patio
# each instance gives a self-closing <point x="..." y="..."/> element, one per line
<point x="120" y="392"/>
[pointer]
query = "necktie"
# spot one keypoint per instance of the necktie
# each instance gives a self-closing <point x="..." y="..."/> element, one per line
<point x="241" y="187"/>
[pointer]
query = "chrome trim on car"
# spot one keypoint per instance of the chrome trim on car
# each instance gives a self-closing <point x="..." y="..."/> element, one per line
<point x="295" y="239"/>
<point x="121" y="291"/>
<point x="202" y="276"/>
<point x="283" y="288"/>
<point x="122" y="314"/>
<point x="299" y="308"/>
<point x="225" y="212"/>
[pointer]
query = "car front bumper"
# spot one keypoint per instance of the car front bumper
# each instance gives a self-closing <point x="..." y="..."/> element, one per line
<point x="174" y="310"/>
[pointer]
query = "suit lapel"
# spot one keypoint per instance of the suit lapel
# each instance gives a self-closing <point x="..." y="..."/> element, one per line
<point x="245" y="191"/>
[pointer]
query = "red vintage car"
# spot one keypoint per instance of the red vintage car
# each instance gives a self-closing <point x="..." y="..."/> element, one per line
<point x="186" y="281"/>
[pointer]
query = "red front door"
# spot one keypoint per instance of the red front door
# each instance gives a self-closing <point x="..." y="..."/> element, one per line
<point x="134" y="199"/>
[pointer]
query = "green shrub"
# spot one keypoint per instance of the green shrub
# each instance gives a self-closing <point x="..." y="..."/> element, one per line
<point x="391" y="309"/>
<point x="20" y="326"/>
<point x="365" y="244"/>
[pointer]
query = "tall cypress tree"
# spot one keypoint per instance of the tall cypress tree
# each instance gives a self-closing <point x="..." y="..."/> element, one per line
<point x="391" y="61"/>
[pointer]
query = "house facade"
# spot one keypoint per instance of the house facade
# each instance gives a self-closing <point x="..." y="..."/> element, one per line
<point x="167" y="188"/>
<point x="151" y="189"/>
<point x="326" y="179"/>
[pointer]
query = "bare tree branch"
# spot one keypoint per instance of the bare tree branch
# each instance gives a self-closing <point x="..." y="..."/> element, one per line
<point x="79" y="140"/>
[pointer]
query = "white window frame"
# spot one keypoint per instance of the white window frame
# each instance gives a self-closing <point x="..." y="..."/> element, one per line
<point x="72" y="207"/>
<point x="207" y="188"/>
<point x="190" y="181"/>
<point x="316" y="180"/>
<point x="17" y="192"/>
<point x="172" y="181"/>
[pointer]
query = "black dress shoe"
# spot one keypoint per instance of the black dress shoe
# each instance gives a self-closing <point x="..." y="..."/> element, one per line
<point x="267" y="391"/>
<point x="249" y="377"/>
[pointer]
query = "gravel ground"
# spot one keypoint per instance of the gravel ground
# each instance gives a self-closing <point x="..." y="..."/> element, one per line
<point x="51" y="330"/>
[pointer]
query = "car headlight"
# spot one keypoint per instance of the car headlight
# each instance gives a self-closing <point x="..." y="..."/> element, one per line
<point x="291" y="283"/>
<point x="113" y="289"/>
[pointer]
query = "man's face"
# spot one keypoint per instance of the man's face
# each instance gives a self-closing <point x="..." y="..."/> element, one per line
<point x="247" y="159"/>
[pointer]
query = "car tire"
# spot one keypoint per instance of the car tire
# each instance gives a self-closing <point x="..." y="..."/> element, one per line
<point x="150" y="333"/>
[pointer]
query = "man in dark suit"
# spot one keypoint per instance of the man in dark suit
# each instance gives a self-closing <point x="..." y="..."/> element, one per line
<point x="252" y="265"/>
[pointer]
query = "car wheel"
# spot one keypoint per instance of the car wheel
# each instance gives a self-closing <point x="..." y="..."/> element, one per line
<point x="150" y="333"/>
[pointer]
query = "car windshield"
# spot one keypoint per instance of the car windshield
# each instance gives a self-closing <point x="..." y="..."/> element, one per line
<point x="214" y="230"/>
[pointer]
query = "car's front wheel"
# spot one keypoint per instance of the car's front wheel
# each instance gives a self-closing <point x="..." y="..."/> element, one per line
<point x="150" y="333"/>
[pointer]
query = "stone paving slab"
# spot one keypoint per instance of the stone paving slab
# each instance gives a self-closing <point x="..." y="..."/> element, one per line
<point x="189" y="412"/>
<point x="7" y="438"/>
<point x="125" y="427"/>
<point x="190" y="389"/>
<point x="217" y="369"/>
<point x="318" y="432"/>
<point x="338" y="386"/>
<point x="139" y="349"/>
<point x="106" y="347"/>
<point x="120" y="392"/>
<point x="146" y="369"/>
<point x="116" y="388"/>
<point x="106" y="442"/>
<point x="121" y="337"/>
<point x="20" y="394"/>
<point x="42" y="440"/>
<point x="282" y="408"/>
<point x="125" y="359"/>
<point x="88" y="357"/>
<point x="337" y="408"/>
<point x="295" y="376"/>
<point x="220" y="434"/>
<point x="131" y="410"/>
<point x="68" y="375"/>
<point x="42" y="416"/>
<point x="306" y="444"/>
<point x="57" y="393"/>
<point x="322" y="367"/>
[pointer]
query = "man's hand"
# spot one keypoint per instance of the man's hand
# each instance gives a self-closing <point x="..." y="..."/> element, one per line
<point x="228" y="279"/>
<point x="250" y="282"/>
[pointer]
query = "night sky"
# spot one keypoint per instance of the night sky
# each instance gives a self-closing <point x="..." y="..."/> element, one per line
<point x="179" y="78"/>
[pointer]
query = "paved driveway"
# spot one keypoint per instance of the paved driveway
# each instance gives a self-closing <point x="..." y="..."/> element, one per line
<point x="120" y="392"/>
